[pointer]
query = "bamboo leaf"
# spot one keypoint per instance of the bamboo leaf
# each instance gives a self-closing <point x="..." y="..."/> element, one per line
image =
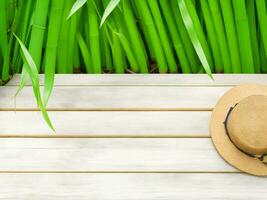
<point x="31" y="69"/>
<point x="85" y="53"/>
<point x="76" y="6"/>
<point x="111" y="6"/>
<point x="194" y="36"/>
<point x="129" y="53"/>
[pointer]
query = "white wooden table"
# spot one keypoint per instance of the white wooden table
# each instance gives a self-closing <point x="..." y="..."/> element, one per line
<point x="119" y="137"/>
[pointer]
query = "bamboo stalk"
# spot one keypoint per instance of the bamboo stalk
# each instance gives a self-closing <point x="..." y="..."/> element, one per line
<point x="24" y="32"/>
<point x="262" y="18"/>
<point x="62" y="57"/>
<point x="129" y="53"/>
<point x="189" y="48"/>
<point x="106" y="51"/>
<point x="196" y="33"/>
<point x="253" y="34"/>
<point x="113" y="28"/>
<point x="242" y="27"/>
<point x="117" y="53"/>
<point x="4" y="39"/>
<point x="231" y="34"/>
<point x="76" y="60"/>
<point x="94" y="42"/>
<point x="155" y="11"/>
<point x="122" y="33"/>
<point x="71" y="41"/>
<point x="135" y="37"/>
<point x="144" y="34"/>
<point x="56" y="14"/>
<point x="38" y="31"/>
<point x="85" y="53"/>
<point x="220" y="32"/>
<point x="212" y="36"/>
<point x="176" y="39"/>
<point x="263" y="57"/>
<point x="147" y="20"/>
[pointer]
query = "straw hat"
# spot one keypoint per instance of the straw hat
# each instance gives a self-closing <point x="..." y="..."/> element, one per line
<point x="239" y="128"/>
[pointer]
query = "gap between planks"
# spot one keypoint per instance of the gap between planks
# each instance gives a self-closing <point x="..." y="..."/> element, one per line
<point x="140" y="85"/>
<point x="119" y="172"/>
<point x="88" y="136"/>
<point x="109" y="110"/>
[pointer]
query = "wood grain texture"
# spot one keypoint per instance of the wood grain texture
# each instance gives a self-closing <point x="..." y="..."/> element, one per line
<point x="106" y="124"/>
<point x="105" y="148"/>
<point x="116" y="155"/>
<point x="152" y="79"/>
<point x="132" y="187"/>
<point x="117" y="98"/>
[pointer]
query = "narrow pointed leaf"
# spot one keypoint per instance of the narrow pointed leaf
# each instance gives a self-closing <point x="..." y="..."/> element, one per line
<point x="31" y="69"/>
<point x="76" y="6"/>
<point x="111" y="6"/>
<point x="194" y="36"/>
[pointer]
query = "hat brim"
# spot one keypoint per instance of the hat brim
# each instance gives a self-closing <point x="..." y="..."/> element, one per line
<point x="220" y="139"/>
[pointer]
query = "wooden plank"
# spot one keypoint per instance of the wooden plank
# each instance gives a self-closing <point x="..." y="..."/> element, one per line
<point x="111" y="155"/>
<point x="106" y="124"/>
<point x="117" y="98"/>
<point x="132" y="186"/>
<point x="152" y="79"/>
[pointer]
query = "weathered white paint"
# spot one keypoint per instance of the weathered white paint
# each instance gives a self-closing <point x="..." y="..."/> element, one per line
<point x="132" y="187"/>
<point x="154" y="127"/>
<point x="117" y="98"/>
<point x="107" y="124"/>
<point x="116" y="154"/>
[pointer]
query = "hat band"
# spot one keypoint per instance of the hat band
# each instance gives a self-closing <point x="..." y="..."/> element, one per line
<point x="262" y="158"/>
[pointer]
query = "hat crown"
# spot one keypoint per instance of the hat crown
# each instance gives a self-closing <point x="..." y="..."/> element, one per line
<point x="247" y="125"/>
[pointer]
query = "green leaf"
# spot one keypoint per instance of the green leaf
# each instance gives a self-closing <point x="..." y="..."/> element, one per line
<point x="194" y="36"/>
<point x="76" y="6"/>
<point x="31" y="70"/>
<point x="111" y="6"/>
<point x="85" y="53"/>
